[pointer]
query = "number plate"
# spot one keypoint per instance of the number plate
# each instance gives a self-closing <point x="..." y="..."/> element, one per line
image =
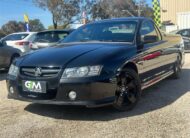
<point x="34" y="86"/>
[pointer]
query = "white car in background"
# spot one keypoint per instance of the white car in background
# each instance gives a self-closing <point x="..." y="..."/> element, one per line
<point x="20" y="40"/>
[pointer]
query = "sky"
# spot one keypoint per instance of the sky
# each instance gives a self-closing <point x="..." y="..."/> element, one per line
<point x="14" y="10"/>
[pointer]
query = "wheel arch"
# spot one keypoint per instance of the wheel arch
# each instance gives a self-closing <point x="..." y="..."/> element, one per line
<point x="14" y="55"/>
<point x="130" y="65"/>
<point x="180" y="54"/>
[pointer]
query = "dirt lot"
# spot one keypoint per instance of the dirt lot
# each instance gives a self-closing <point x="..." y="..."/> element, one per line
<point x="164" y="111"/>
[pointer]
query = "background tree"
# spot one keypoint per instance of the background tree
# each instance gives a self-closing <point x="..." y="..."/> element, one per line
<point x="103" y="9"/>
<point x="51" y="27"/>
<point x="143" y="9"/>
<point x="2" y="34"/>
<point x="65" y="12"/>
<point x="36" y="25"/>
<point x="99" y="11"/>
<point x="14" y="26"/>
<point x="62" y="10"/>
<point x="86" y="6"/>
<point x="110" y="9"/>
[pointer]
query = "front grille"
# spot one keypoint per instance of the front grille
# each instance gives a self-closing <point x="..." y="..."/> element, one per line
<point x="40" y="71"/>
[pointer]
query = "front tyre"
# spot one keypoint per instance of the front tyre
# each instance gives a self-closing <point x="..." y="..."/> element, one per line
<point x="128" y="90"/>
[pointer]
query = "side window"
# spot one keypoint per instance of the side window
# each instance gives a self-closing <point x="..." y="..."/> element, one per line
<point x="7" y="38"/>
<point x="62" y="35"/>
<point x="32" y="37"/>
<point x="148" y="29"/>
<point x="185" y="33"/>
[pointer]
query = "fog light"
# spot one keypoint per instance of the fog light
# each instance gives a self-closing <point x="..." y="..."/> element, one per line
<point x="72" y="95"/>
<point x="11" y="90"/>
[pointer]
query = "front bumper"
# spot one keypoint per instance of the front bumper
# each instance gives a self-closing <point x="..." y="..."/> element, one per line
<point x="89" y="94"/>
<point x="187" y="47"/>
<point x="92" y="103"/>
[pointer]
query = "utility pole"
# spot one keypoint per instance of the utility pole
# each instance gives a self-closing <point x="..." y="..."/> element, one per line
<point x="139" y="10"/>
<point x="140" y="4"/>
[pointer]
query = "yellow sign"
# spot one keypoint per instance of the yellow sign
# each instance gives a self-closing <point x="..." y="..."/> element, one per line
<point x="26" y="19"/>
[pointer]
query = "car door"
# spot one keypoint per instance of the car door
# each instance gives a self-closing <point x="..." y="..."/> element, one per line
<point x="2" y="55"/>
<point x="5" y="55"/>
<point x="151" y="53"/>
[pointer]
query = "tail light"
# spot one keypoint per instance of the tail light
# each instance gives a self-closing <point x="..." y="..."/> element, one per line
<point x="30" y="45"/>
<point x="21" y="43"/>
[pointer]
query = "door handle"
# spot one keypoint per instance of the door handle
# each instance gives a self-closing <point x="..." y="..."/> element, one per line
<point x="140" y="62"/>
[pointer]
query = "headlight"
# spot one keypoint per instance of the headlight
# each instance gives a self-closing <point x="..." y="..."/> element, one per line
<point x="13" y="70"/>
<point x="85" y="71"/>
<point x="182" y="43"/>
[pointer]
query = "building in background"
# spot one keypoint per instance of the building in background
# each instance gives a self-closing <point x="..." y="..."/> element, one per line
<point x="175" y="14"/>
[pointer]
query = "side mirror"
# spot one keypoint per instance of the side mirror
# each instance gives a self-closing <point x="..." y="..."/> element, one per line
<point x="150" y="39"/>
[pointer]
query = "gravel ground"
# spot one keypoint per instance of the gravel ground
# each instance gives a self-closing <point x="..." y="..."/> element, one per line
<point x="164" y="111"/>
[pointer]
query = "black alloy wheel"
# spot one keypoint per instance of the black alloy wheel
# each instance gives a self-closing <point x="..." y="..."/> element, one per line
<point x="128" y="90"/>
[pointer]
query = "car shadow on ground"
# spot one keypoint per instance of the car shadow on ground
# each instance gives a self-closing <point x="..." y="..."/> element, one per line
<point x="3" y="75"/>
<point x="154" y="98"/>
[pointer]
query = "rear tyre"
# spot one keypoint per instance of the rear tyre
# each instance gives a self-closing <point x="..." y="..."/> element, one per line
<point x="128" y="90"/>
<point x="177" y="68"/>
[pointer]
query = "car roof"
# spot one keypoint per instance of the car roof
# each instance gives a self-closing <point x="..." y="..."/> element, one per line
<point x="24" y="33"/>
<point x="123" y="19"/>
<point x="58" y="30"/>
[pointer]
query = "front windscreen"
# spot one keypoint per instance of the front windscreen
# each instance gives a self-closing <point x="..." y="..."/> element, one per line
<point x="116" y="31"/>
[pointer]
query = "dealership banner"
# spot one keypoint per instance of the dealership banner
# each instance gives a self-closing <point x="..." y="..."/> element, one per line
<point x="26" y="20"/>
<point x="157" y="14"/>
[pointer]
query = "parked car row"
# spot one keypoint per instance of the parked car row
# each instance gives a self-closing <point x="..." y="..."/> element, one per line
<point x="25" y="41"/>
<point x="17" y="44"/>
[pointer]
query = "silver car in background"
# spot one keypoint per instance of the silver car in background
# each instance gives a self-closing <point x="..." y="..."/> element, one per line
<point x="185" y="33"/>
<point x="48" y="38"/>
